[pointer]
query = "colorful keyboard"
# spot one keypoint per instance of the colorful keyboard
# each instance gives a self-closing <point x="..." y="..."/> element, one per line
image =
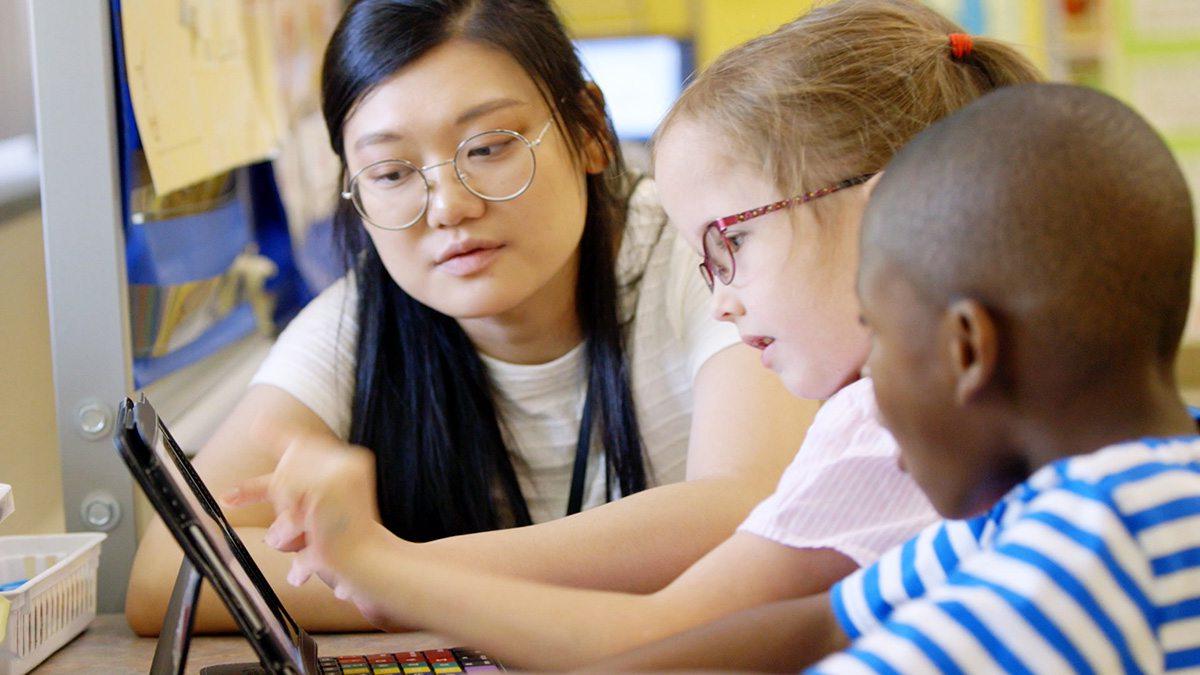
<point x="432" y="662"/>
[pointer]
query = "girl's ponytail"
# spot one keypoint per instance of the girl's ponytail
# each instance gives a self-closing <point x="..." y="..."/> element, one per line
<point x="838" y="91"/>
<point x="998" y="64"/>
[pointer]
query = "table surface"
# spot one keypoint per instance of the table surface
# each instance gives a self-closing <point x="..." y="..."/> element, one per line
<point x="109" y="646"/>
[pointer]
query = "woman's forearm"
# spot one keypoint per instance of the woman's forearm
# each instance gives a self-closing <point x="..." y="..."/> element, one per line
<point x="153" y="577"/>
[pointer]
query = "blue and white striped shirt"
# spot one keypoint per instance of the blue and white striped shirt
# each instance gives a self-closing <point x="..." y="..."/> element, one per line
<point x="1091" y="565"/>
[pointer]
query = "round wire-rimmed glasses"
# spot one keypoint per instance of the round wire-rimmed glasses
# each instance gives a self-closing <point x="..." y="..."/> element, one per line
<point x="496" y="166"/>
<point x="718" y="261"/>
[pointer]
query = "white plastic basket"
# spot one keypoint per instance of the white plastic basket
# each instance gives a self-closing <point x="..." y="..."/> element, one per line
<point x="57" y="602"/>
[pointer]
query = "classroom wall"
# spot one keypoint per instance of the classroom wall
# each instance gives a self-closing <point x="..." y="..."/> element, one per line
<point x="29" y="458"/>
<point x="721" y="24"/>
<point x="716" y="25"/>
<point x="16" y="115"/>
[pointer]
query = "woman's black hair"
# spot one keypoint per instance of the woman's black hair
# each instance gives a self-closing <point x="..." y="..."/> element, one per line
<point x="422" y="397"/>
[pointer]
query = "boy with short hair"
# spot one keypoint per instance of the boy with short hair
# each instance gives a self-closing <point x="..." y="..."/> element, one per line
<point x="1026" y="271"/>
<point x="1027" y="275"/>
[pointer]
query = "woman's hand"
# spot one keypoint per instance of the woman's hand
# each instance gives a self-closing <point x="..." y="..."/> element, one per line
<point x="356" y="558"/>
<point x="323" y="494"/>
<point x="316" y="483"/>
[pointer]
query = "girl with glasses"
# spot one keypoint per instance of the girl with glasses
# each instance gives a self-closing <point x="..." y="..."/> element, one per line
<point x="764" y="166"/>
<point x="519" y="334"/>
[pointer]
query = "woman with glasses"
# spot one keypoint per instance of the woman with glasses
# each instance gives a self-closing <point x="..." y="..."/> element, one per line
<point x="519" y="336"/>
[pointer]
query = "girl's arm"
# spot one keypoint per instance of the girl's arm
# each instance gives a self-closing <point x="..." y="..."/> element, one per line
<point x="785" y="636"/>
<point x="248" y="443"/>
<point x="745" y="429"/>
<point x="539" y="626"/>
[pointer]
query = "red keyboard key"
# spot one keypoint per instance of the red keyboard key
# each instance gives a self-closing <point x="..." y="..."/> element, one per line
<point x="439" y="656"/>
<point x="351" y="659"/>
<point x="381" y="658"/>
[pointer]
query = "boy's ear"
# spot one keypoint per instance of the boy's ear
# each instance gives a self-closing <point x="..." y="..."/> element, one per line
<point x="973" y="346"/>
<point x="597" y="154"/>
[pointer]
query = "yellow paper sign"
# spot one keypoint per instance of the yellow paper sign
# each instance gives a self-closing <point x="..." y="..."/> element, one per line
<point x="196" y="75"/>
<point x="4" y="605"/>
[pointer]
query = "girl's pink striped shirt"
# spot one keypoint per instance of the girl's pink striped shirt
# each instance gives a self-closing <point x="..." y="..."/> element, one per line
<point x="844" y="490"/>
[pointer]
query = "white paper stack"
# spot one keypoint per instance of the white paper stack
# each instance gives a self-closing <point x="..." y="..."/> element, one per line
<point x="6" y="502"/>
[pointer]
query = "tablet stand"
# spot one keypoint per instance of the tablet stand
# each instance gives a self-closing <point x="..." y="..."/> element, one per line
<point x="170" y="655"/>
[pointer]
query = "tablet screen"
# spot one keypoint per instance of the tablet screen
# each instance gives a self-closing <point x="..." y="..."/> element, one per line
<point x="242" y="576"/>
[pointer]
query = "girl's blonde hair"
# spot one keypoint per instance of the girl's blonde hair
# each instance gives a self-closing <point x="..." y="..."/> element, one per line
<point x="836" y="92"/>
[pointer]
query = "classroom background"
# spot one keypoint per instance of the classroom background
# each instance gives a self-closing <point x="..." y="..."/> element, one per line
<point x="189" y="329"/>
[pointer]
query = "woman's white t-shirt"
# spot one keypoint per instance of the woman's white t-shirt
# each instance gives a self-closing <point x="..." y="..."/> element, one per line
<point x="671" y="335"/>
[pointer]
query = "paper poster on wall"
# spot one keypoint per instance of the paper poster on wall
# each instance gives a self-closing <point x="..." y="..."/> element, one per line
<point x="197" y="83"/>
<point x="972" y="15"/>
<point x="306" y="169"/>
<point x="1191" y="167"/>
<point x="301" y="29"/>
<point x="1164" y="89"/>
<point x="262" y="56"/>
<point x="1189" y="160"/>
<point x="1164" y="19"/>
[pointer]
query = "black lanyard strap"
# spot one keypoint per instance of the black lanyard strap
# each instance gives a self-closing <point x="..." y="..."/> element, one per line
<point x="575" y="501"/>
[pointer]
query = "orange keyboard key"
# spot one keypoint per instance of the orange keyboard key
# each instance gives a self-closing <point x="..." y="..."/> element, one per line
<point x="439" y="656"/>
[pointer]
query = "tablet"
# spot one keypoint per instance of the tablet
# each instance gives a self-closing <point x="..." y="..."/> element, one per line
<point x="215" y="550"/>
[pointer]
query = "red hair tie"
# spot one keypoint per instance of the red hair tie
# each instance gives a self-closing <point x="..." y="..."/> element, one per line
<point x="961" y="45"/>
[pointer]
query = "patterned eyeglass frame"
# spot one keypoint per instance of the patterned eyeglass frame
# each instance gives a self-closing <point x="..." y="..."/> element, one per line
<point x="348" y="184"/>
<point x="722" y="224"/>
